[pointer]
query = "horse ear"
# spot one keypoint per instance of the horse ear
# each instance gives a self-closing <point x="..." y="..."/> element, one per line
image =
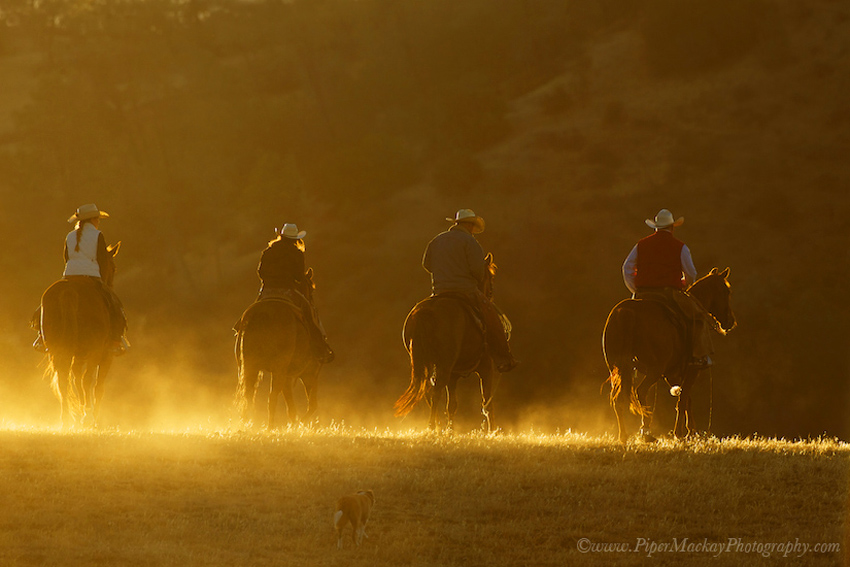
<point x="489" y="258"/>
<point x="725" y="273"/>
<point x="113" y="249"/>
<point x="712" y="272"/>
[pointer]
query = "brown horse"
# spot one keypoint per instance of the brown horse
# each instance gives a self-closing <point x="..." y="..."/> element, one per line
<point x="75" y="323"/>
<point x="272" y="338"/>
<point x="445" y="344"/>
<point x="642" y="338"/>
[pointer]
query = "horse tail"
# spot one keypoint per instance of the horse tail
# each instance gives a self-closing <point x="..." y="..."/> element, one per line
<point x="421" y="361"/>
<point x="618" y="348"/>
<point x="241" y="400"/>
<point x="616" y="384"/>
<point x="60" y="335"/>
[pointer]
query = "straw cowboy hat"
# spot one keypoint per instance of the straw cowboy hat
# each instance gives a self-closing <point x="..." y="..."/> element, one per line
<point x="664" y="219"/>
<point x="291" y="231"/>
<point x="467" y="215"/>
<point x="89" y="211"/>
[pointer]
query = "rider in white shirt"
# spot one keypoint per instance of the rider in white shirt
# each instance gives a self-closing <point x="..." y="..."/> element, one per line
<point x="85" y="254"/>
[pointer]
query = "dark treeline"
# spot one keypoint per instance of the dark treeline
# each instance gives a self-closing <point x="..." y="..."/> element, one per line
<point x="200" y="126"/>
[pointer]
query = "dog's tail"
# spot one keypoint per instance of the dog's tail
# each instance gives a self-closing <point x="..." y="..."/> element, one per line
<point x="337" y="518"/>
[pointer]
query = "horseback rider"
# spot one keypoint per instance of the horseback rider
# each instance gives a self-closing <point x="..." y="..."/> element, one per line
<point x="455" y="260"/>
<point x="282" y="271"/>
<point x="660" y="267"/>
<point x="86" y="257"/>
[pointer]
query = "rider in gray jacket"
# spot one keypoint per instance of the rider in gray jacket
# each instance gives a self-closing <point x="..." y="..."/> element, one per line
<point x="455" y="260"/>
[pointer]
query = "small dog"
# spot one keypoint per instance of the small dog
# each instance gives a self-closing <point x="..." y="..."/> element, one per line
<point x="353" y="509"/>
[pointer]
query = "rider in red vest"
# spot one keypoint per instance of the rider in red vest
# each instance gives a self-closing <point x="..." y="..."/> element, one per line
<point x="455" y="260"/>
<point x="661" y="265"/>
<point x="282" y="271"/>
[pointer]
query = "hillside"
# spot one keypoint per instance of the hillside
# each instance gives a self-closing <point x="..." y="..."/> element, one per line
<point x="202" y="126"/>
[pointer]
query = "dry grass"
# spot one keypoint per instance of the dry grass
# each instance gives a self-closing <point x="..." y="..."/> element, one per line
<point x="213" y="498"/>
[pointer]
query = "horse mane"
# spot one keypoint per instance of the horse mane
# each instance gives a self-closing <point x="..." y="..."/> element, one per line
<point x="713" y="272"/>
<point x="705" y="281"/>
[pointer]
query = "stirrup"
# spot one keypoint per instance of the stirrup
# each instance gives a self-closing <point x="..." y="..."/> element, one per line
<point x="119" y="346"/>
<point x="323" y="352"/>
<point x="508" y="365"/>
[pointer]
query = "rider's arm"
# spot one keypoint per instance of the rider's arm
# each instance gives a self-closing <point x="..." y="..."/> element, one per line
<point x="475" y="260"/>
<point x="102" y="253"/>
<point x="630" y="269"/>
<point x="688" y="266"/>
<point x="265" y="265"/>
<point x="299" y="265"/>
<point x="426" y="258"/>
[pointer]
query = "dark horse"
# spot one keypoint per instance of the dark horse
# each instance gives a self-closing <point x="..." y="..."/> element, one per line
<point x="446" y="343"/>
<point x="642" y="338"/>
<point x="75" y="323"/>
<point x="272" y="338"/>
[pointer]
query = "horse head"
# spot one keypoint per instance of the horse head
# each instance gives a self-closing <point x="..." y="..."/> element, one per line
<point x="108" y="271"/>
<point x="489" y="276"/>
<point x="714" y="292"/>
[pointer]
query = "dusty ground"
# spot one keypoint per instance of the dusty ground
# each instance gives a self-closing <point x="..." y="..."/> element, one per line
<point x="214" y="498"/>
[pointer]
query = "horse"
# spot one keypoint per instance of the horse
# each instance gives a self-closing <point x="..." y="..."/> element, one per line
<point x="273" y="338"/>
<point x="75" y="324"/>
<point x="641" y="337"/>
<point x="446" y="343"/>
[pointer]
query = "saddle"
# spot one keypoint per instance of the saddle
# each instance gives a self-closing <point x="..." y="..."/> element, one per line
<point x="466" y="302"/>
<point x="290" y="298"/>
<point x="81" y="283"/>
<point x="670" y="301"/>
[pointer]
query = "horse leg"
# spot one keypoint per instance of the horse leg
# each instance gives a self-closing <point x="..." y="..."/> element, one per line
<point x="451" y="401"/>
<point x="246" y="392"/>
<point x="291" y="410"/>
<point x="683" y="404"/>
<point x="646" y="412"/>
<point x="621" y="392"/>
<point x="97" y="391"/>
<point x="489" y="381"/>
<point x="87" y="380"/>
<point x="60" y="382"/>
<point x="311" y="383"/>
<point x="275" y="386"/>
<point x="79" y="395"/>
<point x="436" y="395"/>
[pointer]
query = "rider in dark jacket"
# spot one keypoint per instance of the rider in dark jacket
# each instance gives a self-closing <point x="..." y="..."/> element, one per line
<point x="282" y="272"/>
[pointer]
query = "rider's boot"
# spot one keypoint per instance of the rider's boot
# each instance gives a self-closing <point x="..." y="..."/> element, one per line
<point x="119" y="345"/>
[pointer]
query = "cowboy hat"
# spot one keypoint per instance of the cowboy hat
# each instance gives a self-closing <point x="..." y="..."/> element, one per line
<point x="89" y="211"/>
<point x="467" y="215"/>
<point x="664" y="219"/>
<point x="291" y="231"/>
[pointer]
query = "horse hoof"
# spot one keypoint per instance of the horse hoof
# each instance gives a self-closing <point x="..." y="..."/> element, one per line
<point x="647" y="438"/>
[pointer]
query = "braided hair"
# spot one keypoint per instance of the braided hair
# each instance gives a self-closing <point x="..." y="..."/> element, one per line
<point x="79" y="230"/>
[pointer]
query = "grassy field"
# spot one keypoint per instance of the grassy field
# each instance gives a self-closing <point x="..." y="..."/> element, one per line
<point x="220" y="498"/>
